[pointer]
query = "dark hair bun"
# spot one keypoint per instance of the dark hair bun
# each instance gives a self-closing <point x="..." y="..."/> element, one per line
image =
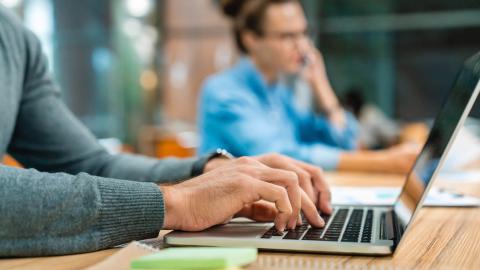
<point x="232" y="8"/>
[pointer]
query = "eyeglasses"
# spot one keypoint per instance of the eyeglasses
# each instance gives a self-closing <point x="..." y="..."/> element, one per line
<point x="288" y="36"/>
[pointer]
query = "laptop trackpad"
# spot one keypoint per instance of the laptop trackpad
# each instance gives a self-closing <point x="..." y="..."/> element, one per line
<point x="230" y="230"/>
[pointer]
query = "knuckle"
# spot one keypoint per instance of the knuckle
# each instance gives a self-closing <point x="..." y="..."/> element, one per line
<point x="282" y="193"/>
<point x="246" y="160"/>
<point x="318" y="175"/>
<point x="275" y="158"/>
<point x="293" y="178"/>
<point x="242" y="160"/>
<point x="319" y="171"/>
<point x="303" y="176"/>
<point x="278" y="190"/>
<point x="275" y="155"/>
<point x="288" y="209"/>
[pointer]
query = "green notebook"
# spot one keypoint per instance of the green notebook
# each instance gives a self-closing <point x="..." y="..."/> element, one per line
<point x="204" y="258"/>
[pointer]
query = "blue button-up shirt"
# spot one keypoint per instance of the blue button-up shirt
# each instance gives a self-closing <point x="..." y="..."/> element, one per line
<point x="240" y="112"/>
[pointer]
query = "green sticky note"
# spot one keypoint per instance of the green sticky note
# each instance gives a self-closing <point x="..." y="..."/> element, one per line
<point x="196" y="258"/>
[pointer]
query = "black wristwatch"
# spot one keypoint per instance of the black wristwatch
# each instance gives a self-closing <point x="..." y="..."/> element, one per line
<point x="199" y="165"/>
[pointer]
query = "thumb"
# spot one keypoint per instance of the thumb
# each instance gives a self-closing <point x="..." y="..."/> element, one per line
<point x="261" y="211"/>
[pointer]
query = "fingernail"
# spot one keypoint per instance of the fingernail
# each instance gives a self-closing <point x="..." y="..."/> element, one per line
<point x="277" y="233"/>
<point x="322" y="222"/>
<point x="292" y="225"/>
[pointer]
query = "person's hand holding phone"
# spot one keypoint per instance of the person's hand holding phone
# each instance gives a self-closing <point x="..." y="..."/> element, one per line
<point x="314" y="72"/>
<point x="313" y="66"/>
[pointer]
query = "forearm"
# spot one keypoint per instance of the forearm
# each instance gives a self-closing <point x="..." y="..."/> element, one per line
<point x="358" y="161"/>
<point x="328" y="102"/>
<point x="369" y="161"/>
<point x="52" y="214"/>
<point x="145" y="169"/>
<point x="49" y="138"/>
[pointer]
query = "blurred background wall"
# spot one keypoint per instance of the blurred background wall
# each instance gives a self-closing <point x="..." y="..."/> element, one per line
<point x="132" y="69"/>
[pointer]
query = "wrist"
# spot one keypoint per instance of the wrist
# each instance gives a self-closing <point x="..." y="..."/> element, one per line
<point x="215" y="163"/>
<point x="332" y="109"/>
<point x="170" y="207"/>
<point x="216" y="159"/>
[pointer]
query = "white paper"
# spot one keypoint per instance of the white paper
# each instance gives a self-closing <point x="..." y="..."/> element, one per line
<point x="464" y="176"/>
<point x="388" y="195"/>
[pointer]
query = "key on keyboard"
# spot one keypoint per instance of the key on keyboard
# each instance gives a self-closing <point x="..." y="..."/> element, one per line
<point x="297" y="232"/>
<point x="367" y="228"/>
<point x="271" y="232"/>
<point x="294" y="234"/>
<point x="352" y="231"/>
<point x="316" y="233"/>
<point x="335" y="228"/>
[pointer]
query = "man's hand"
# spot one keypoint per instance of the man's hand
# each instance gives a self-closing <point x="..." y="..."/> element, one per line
<point x="314" y="69"/>
<point x="311" y="178"/>
<point x="236" y="189"/>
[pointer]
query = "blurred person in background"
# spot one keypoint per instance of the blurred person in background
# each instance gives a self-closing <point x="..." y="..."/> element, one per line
<point x="251" y="109"/>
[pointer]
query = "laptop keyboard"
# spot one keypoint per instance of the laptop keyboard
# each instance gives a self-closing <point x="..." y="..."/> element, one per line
<point x="354" y="228"/>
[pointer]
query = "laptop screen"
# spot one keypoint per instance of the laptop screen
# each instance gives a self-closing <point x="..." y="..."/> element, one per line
<point x="447" y="123"/>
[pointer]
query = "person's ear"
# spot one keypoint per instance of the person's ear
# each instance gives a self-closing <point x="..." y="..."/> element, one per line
<point x="250" y="40"/>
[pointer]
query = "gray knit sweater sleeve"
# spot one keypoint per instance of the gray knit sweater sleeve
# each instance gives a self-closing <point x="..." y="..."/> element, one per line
<point x="53" y="214"/>
<point x="73" y="200"/>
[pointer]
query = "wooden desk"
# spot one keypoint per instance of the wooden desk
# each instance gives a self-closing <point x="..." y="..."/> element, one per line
<point x="441" y="238"/>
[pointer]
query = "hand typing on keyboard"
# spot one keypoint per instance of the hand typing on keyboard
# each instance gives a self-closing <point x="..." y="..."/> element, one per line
<point x="240" y="188"/>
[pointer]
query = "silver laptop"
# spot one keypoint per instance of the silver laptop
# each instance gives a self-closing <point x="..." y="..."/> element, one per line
<point x="359" y="229"/>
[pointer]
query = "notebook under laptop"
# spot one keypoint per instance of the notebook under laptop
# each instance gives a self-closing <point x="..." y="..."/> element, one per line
<point x="360" y="229"/>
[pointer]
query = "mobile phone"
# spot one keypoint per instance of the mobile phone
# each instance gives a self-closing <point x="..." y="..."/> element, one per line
<point x="304" y="61"/>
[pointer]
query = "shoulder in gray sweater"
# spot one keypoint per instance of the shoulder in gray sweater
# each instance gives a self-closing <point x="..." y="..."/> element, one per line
<point x="75" y="197"/>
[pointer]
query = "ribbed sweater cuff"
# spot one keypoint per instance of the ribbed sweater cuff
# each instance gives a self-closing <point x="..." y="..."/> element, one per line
<point x="129" y="211"/>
